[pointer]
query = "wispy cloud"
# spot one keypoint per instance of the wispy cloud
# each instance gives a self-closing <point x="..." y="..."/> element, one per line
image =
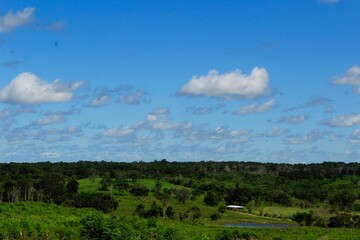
<point x="57" y="26"/>
<point x="313" y="102"/>
<point x="118" y="132"/>
<point x="13" y="20"/>
<point x="351" y="77"/>
<point x="229" y="85"/>
<point x="99" y="101"/>
<point x="50" y="155"/>
<point x="27" y="88"/>
<point x="343" y="121"/>
<point x="12" y="64"/>
<point x="132" y="98"/>
<point x="312" y="136"/>
<point x="293" y="119"/>
<point x="354" y="138"/>
<point x="50" y="119"/>
<point x="28" y="133"/>
<point x="255" y="108"/>
<point x="276" y="132"/>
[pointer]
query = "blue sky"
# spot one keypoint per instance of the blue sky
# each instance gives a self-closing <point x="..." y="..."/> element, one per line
<point x="268" y="81"/>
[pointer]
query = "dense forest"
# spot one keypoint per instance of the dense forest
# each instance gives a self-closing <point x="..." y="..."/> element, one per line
<point x="157" y="200"/>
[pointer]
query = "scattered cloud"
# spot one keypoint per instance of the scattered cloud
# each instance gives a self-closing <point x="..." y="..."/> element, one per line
<point x="199" y="110"/>
<point x="344" y="121"/>
<point x="57" y="26"/>
<point x="351" y="77"/>
<point x="196" y="110"/>
<point x="118" y="132"/>
<point x="255" y="108"/>
<point x="28" y="133"/>
<point x="355" y="137"/>
<point x="291" y="119"/>
<point x="276" y="132"/>
<point x="99" y="101"/>
<point x="229" y="85"/>
<point x="312" y="136"/>
<point x="27" y="88"/>
<point x="50" y="119"/>
<point x="132" y="98"/>
<point x="156" y="121"/>
<point x="13" y="20"/>
<point x="160" y="120"/>
<point x="50" y="155"/>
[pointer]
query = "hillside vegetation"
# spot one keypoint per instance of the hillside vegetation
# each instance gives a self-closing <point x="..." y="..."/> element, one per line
<point x="175" y="200"/>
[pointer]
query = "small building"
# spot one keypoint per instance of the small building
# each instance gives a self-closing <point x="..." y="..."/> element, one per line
<point x="235" y="207"/>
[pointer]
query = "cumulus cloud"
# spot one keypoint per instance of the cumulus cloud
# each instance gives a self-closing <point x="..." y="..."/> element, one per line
<point x="156" y="121"/>
<point x="351" y="77"/>
<point x="255" y="108"/>
<point x="27" y="88"/>
<point x="99" y="101"/>
<point x="291" y="119"/>
<point x="344" y="121"/>
<point x="13" y="20"/>
<point x="229" y="85"/>
<point x="160" y="120"/>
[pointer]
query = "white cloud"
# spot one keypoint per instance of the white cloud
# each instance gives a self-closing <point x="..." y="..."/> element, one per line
<point x="290" y="119"/>
<point x="276" y="131"/>
<point x="254" y="108"/>
<point x="118" y="132"/>
<point x="159" y="120"/>
<point x="132" y="98"/>
<point x="12" y="20"/>
<point x="99" y="101"/>
<point x="229" y="85"/>
<point x="313" y="136"/>
<point x="50" y="119"/>
<point x="50" y="154"/>
<point x="345" y="120"/>
<point x="351" y="77"/>
<point x="355" y="137"/>
<point x="27" y="88"/>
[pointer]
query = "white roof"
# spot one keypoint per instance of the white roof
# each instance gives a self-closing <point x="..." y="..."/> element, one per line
<point x="234" y="206"/>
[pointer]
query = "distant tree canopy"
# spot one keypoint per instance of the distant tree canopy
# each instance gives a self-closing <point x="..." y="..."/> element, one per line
<point x="240" y="183"/>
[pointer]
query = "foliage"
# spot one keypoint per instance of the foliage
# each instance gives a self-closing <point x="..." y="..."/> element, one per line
<point x="139" y="190"/>
<point x="100" y="201"/>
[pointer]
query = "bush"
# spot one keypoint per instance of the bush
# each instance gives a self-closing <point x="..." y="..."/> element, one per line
<point x="139" y="190"/>
<point x="100" y="201"/>
<point x="172" y="234"/>
<point x="215" y="216"/>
